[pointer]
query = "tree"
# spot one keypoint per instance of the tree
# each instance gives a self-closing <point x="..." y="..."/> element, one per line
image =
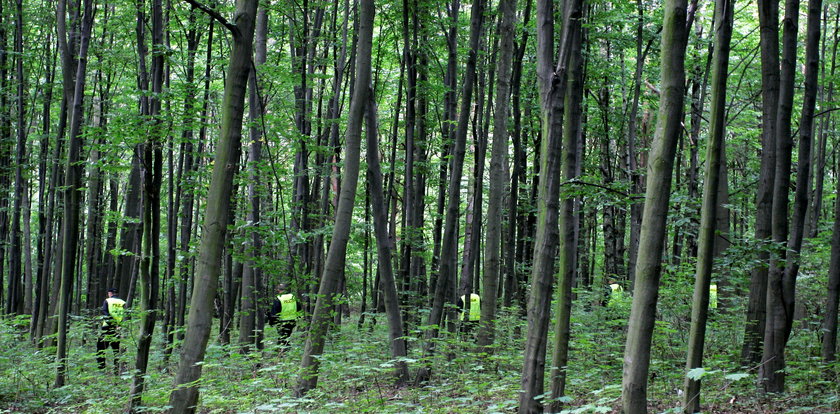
<point x="498" y="157"/>
<point x="334" y="265"/>
<point x="72" y="181"/>
<point x="184" y="397"/>
<point x="552" y="82"/>
<point x="657" y="195"/>
<point x="711" y="184"/>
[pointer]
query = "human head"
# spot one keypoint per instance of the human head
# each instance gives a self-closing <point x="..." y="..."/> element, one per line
<point x="281" y="288"/>
<point x="112" y="292"/>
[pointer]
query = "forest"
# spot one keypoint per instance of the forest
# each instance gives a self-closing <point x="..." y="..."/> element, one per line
<point x="278" y="206"/>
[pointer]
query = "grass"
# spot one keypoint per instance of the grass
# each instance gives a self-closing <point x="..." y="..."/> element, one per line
<point x="356" y="372"/>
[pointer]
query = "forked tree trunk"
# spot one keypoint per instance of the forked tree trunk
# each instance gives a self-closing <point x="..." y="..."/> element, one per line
<point x="567" y="246"/>
<point x="251" y="274"/>
<point x="151" y="181"/>
<point x="444" y="286"/>
<point x="779" y="299"/>
<point x="768" y="17"/>
<point x="552" y="81"/>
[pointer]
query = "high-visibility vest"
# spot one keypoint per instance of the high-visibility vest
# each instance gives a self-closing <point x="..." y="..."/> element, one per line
<point x="475" y="307"/>
<point x="713" y="296"/>
<point x="288" y="311"/>
<point x="116" y="308"/>
<point x="616" y="292"/>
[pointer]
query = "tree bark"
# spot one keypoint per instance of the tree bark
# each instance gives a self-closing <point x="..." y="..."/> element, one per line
<point x="447" y="275"/>
<point x="657" y="196"/>
<point x="552" y="82"/>
<point x="383" y="249"/>
<point x="185" y="396"/>
<point x="768" y="15"/>
<point x="498" y="157"/>
<point x="567" y="244"/>
<point x="779" y="298"/>
<point x="152" y="177"/>
<point x="334" y="264"/>
<point x="251" y="273"/>
<point x="72" y="184"/>
<point x="709" y="210"/>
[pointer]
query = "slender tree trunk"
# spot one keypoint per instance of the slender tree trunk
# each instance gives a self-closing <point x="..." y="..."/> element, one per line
<point x="251" y="274"/>
<point x="657" y="196"/>
<point x="566" y="221"/>
<point x="72" y="184"/>
<point x="449" y="243"/>
<point x="498" y="157"/>
<point x="779" y="298"/>
<point x="185" y="396"/>
<point x="380" y="222"/>
<point x="829" y="323"/>
<point x="152" y="168"/>
<point x="708" y="219"/>
<point x="768" y="15"/>
<point x="334" y="264"/>
<point x="552" y="82"/>
<point x="15" y="300"/>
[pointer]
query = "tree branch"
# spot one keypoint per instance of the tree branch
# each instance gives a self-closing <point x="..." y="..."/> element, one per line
<point x="216" y="16"/>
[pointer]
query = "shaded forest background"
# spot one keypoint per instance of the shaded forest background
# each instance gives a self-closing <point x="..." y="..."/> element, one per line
<point x="386" y="158"/>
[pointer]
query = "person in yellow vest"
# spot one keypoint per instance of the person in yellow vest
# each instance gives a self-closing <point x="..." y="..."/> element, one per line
<point x="113" y="313"/>
<point x="470" y="316"/>
<point x="284" y="313"/>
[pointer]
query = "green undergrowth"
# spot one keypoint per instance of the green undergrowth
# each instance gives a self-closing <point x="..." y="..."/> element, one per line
<point x="356" y="371"/>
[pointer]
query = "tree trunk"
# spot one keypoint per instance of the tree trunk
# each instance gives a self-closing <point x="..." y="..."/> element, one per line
<point x="449" y="243"/>
<point x="380" y="222"/>
<point x="768" y="15"/>
<point x="185" y="397"/>
<point x="566" y="221"/>
<point x="498" y="157"/>
<point x="657" y="196"/>
<point x="15" y="300"/>
<point x="708" y="218"/>
<point x="152" y="168"/>
<point x="334" y="264"/>
<point x="72" y="184"/>
<point x="251" y="274"/>
<point x="779" y="299"/>
<point x="552" y="81"/>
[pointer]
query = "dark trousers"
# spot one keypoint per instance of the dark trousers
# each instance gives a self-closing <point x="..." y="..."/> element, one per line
<point x="108" y="338"/>
<point x="284" y="330"/>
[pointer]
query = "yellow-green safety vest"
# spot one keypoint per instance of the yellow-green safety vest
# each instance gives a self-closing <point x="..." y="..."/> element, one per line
<point x="475" y="307"/>
<point x="288" y="311"/>
<point x="616" y="293"/>
<point x="116" y="308"/>
<point x="713" y="296"/>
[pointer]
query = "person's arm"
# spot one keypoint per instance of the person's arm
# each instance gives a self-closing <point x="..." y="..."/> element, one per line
<point x="105" y="308"/>
<point x="276" y="307"/>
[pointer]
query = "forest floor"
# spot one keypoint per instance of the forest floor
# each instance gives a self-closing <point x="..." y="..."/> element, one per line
<point x="355" y="374"/>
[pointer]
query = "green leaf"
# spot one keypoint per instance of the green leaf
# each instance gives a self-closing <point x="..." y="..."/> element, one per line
<point x="737" y="377"/>
<point x="696" y="373"/>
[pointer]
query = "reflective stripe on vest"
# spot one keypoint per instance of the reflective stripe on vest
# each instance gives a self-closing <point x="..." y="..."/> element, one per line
<point x="116" y="308"/>
<point x="288" y="311"/>
<point x="475" y="307"/>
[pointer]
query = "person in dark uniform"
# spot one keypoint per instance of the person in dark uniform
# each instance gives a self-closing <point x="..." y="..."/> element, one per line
<point x="113" y="313"/>
<point x="284" y="313"/>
